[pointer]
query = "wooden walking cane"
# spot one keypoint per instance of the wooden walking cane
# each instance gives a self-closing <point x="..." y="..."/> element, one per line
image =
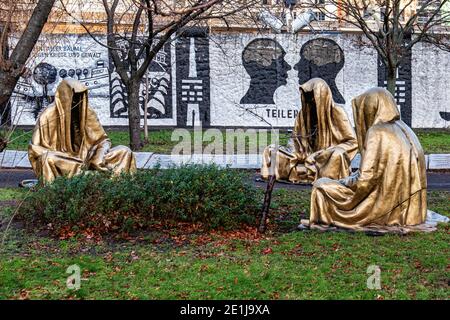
<point x="266" y="204"/>
<point x="268" y="194"/>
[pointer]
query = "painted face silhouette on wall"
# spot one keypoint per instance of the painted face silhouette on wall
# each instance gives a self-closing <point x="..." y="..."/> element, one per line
<point x="321" y="58"/>
<point x="263" y="60"/>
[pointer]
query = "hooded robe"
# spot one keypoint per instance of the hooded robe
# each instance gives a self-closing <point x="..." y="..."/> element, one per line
<point x="324" y="140"/>
<point x="390" y="187"/>
<point x="69" y="138"/>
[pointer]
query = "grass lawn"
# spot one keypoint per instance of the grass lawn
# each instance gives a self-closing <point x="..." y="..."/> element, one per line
<point x="433" y="141"/>
<point x="284" y="264"/>
<point x="11" y="194"/>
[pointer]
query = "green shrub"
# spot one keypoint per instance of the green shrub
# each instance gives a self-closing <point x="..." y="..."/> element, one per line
<point x="208" y="195"/>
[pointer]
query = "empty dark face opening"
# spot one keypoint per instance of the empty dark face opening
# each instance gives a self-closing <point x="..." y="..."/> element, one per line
<point x="75" y="118"/>
<point x="311" y="118"/>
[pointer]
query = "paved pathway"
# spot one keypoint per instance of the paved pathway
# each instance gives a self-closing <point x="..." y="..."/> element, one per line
<point x="15" y="166"/>
<point x="12" y="177"/>
<point x="436" y="181"/>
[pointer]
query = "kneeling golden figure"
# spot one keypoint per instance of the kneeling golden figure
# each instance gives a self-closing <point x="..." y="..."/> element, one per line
<point x="69" y="138"/>
<point x="390" y="187"/>
<point x="324" y="140"/>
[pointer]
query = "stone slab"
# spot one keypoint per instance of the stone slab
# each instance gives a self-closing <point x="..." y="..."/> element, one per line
<point x="24" y="163"/>
<point x="143" y="158"/>
<point x="147" y="160"/>
<point x="438" y="161"/>
<point x="11" y="158"/>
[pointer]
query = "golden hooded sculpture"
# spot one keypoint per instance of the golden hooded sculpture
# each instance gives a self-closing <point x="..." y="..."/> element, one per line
<point x="389" y="190"/>
<point x="324" y="140"/>
<point x="68" y="138"/>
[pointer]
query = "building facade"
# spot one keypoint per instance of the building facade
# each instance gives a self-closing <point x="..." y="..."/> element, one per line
<point x="238" y="77"/>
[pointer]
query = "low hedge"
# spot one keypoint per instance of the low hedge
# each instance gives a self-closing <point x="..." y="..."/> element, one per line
<point x="212" y="196"/>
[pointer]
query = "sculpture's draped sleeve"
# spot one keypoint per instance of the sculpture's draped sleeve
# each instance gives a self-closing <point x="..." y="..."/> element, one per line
<point x="390" y="188"/>
<point x="324" y="141"/>
<point x="68" y="137"/>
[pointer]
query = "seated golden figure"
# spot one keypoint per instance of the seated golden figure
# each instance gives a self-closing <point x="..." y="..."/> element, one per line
<point x="68" y="138"/>
<point x="390" y="187"/>
<point x="324" y="140"/>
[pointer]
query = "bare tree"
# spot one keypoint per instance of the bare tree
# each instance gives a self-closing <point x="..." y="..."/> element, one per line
<point x="392" y="27"/>
<point x="14" y="15"/>
<point x="138" y="29"/>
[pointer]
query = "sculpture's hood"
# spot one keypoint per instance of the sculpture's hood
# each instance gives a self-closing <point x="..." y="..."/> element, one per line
<point x="373" y="107"/>
<point x="71" y="98"/>
<point x="319" y="123"/>
<point x="318" y="86"/>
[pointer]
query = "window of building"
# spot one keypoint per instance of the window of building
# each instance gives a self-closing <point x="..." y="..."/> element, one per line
<point x="427" y="10"/>
<point x="320" y="16"/>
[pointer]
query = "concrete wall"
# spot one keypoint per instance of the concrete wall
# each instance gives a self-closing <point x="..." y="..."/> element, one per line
<point x="430" y="87"/>
<point x="239" y="80"/>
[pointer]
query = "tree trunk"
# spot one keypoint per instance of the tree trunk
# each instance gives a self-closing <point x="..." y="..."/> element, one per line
<point x="146" y="110"/>
<point x="391" y="79"/>
<point x="33" y="30"/>
<point x="7" y="85"/>
<point x="134" y="115"/>
<point x="20" y="55"/>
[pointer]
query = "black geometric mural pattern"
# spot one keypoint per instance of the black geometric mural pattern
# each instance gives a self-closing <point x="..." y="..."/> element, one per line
<point x="193" y="78"/>
<point x="158" y="82"/>
<point x="263" y="59"/>
<point x="403" y="88"/>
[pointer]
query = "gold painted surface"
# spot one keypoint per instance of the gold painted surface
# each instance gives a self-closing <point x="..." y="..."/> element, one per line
<point x="324" y="140"/>
<point x="390" y="187"/>
<point x="68" y="138"/>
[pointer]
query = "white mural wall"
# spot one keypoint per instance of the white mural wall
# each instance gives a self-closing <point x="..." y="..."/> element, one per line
<point x="351" y="72"/>
<point x="238" y="80"/>
<point x="76" y="57"/>
<point x="430" y="87"/>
